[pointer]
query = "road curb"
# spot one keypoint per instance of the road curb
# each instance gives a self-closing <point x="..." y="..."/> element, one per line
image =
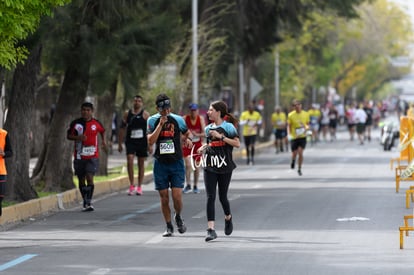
<point x="43" y="206"/>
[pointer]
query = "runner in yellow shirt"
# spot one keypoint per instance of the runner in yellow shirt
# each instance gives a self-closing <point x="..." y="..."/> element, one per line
<point x="298" y="124"/>
<point x="314" y="117"/>
<point x="251" y="121"/>
<point x="279" y="124"/>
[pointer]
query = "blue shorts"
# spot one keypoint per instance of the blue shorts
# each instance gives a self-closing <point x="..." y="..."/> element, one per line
<point x="169" y="175"/>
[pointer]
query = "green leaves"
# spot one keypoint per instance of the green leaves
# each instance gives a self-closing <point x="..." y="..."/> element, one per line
<point x="18" y="19"/>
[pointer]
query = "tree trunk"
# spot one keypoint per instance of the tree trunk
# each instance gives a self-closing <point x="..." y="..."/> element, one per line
<point x="248" y="72"/>
<point x="105" y="109"/>
<point x="18" y="123"/>
<point x="46" y="98"/>
<point x="54" y="167"/>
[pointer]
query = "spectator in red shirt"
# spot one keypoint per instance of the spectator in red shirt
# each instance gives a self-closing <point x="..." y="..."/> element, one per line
<point x="196" y="124"/>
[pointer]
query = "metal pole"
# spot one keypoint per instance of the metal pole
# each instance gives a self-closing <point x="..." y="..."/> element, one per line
<point x="242" y="87"/>
<point x="277" y="92"/>
<point x="195" y="51"/>
<point x="313" y="95"/>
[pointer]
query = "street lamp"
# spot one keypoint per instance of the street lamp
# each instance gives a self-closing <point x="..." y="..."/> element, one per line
<point x="277" y="92"/>
<point x="195" y="51"/>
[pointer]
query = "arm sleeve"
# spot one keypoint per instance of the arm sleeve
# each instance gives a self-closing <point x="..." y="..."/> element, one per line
<point x="71" y="130"/>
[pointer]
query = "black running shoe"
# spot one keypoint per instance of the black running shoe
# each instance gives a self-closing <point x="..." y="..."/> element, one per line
<point x="88" y="208"/>
<point x="300" y="172"/>
<point x="211" y="235"/>
<point x="228" y="226"/>
<point x="180" y="224"/>
<point x="168" y="232"/>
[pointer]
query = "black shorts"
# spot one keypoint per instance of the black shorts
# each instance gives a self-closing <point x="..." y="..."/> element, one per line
<point x="351" y="125"/>
<point x="280" y="133"/>
<point x="3" y="181"/>
<point x="360" y="128"/>
<point x="249" y="140"/>
<point x="85" y="166"/>
<point x="332" y="123"/>
<point x="138" y="149"/>
<point x="299" y="142"/>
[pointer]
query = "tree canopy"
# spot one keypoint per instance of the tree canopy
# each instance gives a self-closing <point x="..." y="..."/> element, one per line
<point x="18" y="19"/>
<point x="347" y="54"/>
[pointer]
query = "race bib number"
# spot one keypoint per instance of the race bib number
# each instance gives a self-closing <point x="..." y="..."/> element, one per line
<point x="279" y="123"/>
<point x="196" y="139"/>
<point x="88" y="151"/>
<point x="251" y="123"/>
<point x="300" y="131"/>
<point x="138" y="133"/>
<point x="167" y="147"/>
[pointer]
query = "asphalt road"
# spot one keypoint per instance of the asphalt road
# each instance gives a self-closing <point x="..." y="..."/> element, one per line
<point x="340" y="217"/>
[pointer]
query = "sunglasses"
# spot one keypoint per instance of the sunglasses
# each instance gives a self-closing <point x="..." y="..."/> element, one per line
<point x="164" y="104"/>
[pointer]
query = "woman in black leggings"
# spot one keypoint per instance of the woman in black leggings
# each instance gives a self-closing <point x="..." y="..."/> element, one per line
<point x="218" y="163"/>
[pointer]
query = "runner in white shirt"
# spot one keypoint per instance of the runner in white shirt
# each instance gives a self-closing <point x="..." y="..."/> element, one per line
<point x="360" y="118"/>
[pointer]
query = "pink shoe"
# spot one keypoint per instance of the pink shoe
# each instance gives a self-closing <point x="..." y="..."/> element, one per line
<point x="131" y="190"/>
<point x="139" y="190"/>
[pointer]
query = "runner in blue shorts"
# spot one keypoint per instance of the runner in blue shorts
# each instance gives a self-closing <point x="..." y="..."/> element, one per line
<point x="168" y="131"/>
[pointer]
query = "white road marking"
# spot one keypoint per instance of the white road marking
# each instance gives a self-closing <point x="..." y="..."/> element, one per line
<point x="156" y="239"/>
<point x="352" y="219"/>
<point x="202" y="214"/>
<point x="100" y="271"/>
<point x="234" y="197"/>
<point x="199" y="215"/>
